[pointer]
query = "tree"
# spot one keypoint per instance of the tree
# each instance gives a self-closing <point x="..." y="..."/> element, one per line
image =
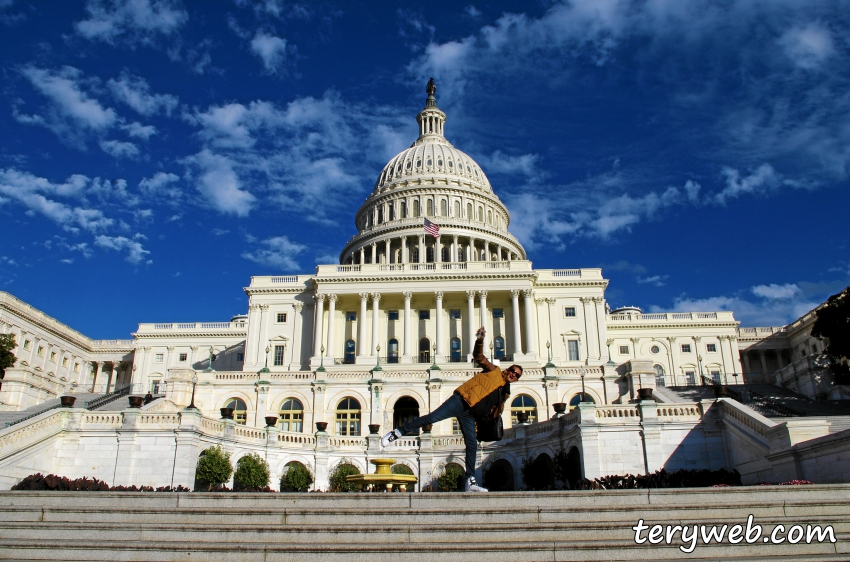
<point x="833" y="327"/>
<point x="296" y="479"/>
<point x="337" y="478"/>
<point x="452" y="478"/>
<point x="214" y="468"/>
<point x="252" y="471"/>
<point x="7" y="358"/>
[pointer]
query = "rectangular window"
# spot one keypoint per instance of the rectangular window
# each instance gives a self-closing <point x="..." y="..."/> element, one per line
<point x="624" y="350"/>
<point x="711" y="347"/>
<point x="498" y="313"/>
<point x="715" y="376"/>
<point x="570" y="311"/>
<point x="53" y="356"/>
<point x="278" y="355"/>
<point x="64" y="361"/>
<point x="424" y="314"/>
<point x="392" y="315"/>
<point x="76" y="367"/>
<point x="40" y="351"/>
<point x="454" y="314"/>
<point x="689" y="378"/>
<point x="686" y="348"/>
<point x="456" y="427"/>
<point x="281" y="317"/>
<point x="27" y="344"/>
<point x="157" y="358"/>
<point x="184" y="357"/>
<point x="351" y="317"/>
<point x="572" y="345"/>
<point x="240" y="357"/>
<point x="155" y="386"/>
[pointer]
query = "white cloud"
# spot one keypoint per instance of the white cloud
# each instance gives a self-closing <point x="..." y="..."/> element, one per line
<point x="654" y="280"/>
<point x="135" y="251"/>
<point x="135" y="92"/>
<point x="139" y="131"/>
<point x="808" y="47"/>
<point x="134" y="20"/>
<point x="767" y="313"/>
<point x="763" y="179"/>
<point x="271" y="49"/>
<point x="472" y="11"/>
<point x="220" y="184"/>
<point x="525" y="164"/>
<point x="119" y="149"/>
<point x="278" y="252"/>
<point x="775" y="292"/>
<point x="158" y="183"/>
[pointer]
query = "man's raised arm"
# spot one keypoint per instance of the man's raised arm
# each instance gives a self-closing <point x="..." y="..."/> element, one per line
<point x="478" y="351"/>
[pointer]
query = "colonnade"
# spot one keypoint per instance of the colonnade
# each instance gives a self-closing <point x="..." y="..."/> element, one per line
<point x="404" y="250"/>
<point x="326" y="338"/>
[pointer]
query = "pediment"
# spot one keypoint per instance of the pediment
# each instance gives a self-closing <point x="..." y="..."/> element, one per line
<point x="162" y="405"/>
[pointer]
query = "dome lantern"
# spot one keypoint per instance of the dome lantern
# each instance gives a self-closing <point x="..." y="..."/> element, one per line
<point x="431" y="120"/>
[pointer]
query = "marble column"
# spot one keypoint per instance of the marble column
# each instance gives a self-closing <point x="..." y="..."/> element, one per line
<point x="473" y="256"/>
<point x="376" y="299"/>
<point x="318" y="324"/>
<point x="482" y="312"/>
<point x="599" y="306"/>
<point x="423" y="256"/>
<point x="438" y="250"/>
<point x="530" y="328"/>
<point x="671" y="341"/>
<point x="470" y="318"/>
<point x="763" y="360"/>
<point x="374" y="252"/>
<point x="362" y="348"/>
<point x="329" y="349"/>
<point x="404" y="249"/>
<point x="387" y="251"/>
<point x="454" y="249"/>
<point x="517" y="339"/>
<point x="439" y="324"/>
<point x="406" y="336"/>
<point x="362" y="255"/>
<point x="96" y="372"/>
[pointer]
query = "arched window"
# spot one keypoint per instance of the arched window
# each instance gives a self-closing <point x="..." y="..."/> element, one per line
<point x="499" y="347"/>
<point x="348" y="417"/>
<point x="405" y="410"/>
<point x="239" y="410"/>
<point x="403" y="210"/>
<point x="392" y="211"/>
<point x="291" y="415"/>
<point x="574" y="401"/>
<point x="444" y="208"/>
<point x="455" y="350"/>
<point x="416" y="207"/>
<point x="392" y="352"/>
<point x="469" y="211"/>
<point x="429" y="206"/>
<point x="659" y="375"/>
<point x="415" y="254"/>
<point x="490" y="217"/>
<point x="380" y="214"/>
<point x="457" y="209"/>
<point x="480" y="214"/>
<point x="424" y="350"/>
<point x="526" y="404"/>
<point x="350" y="349"/>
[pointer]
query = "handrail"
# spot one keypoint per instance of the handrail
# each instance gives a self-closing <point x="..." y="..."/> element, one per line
<point x="772" y="404"/>
<point x="11" y="423"/>
<point x="107" y="398"/>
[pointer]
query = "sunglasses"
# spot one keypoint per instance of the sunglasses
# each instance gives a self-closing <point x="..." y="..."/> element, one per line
<point x="514" y="371"/>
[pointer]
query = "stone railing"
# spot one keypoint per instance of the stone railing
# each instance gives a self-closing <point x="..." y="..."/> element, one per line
<point x="169" y="419"/>
<point x="179" y="327"/>
<point x="250" y="433"/>
<point x="349" y="442"/>
<point x="568" y="275"/>
<point x="670" y="317"/>
<point x="673" y="412"/>
<point x="614" y="413"/>
<point x="379" y="269"/>
<point x="448" y="442"/>
<point x="299" y="440"/>
<point x="22" y="435"/>
<point x="114" y="419"/>
<point x="746" y="419"/>
<point x="595" y="372"/>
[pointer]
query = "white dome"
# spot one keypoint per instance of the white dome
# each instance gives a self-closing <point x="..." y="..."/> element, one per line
<point x="433" y="159"/>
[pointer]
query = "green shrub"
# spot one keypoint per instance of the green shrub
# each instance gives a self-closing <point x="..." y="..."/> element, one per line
<point x="402" y="469"/>
<point x="296" y="479"/>
<point x="252" y="472"/>
<point x="337" y="480"/>
<point x="539" y="473"/>
<point x="214" y="468"/>
<point x="452" y="478"/>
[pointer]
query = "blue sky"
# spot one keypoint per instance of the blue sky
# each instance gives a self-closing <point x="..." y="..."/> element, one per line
<point x="158" y="153"/>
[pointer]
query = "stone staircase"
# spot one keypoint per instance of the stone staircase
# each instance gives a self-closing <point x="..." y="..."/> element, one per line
<point x="508" y="526"/>
<point x="790" y="402"/>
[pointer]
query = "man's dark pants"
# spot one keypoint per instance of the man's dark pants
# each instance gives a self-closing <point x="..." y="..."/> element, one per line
<point x="454" y="407"/>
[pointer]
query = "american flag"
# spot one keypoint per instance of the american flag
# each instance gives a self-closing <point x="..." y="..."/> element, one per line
<point x="432" y="229"/>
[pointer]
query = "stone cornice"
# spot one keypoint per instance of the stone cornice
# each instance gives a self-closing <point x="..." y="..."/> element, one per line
<point x="176" y="334"/>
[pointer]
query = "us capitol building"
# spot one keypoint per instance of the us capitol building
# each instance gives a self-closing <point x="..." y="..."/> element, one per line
<point x="379" y="338"/>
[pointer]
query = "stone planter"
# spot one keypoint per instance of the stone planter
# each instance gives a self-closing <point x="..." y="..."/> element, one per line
<point x="374" y="428"/>
<point x="721" y="391"/>
<point x="271" y="421"/>
<point x="645" y="394"/>
<point x="321" y="426"/>
<point x="560" y="408"/>
<point x="522" y="417"/>
<point x="427" y="428"/>
<point x="226" y="413"/>
<point x="67" y="401"/>
<point x="136" y="401"/>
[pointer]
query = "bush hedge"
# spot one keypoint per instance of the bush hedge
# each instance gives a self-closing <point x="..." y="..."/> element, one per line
<point x="214" y="468"/>
<point x="337" y="480"/>
<point x="252" y="473"/>
<point x="296" y="479"/>
<point x="452" y="478"/>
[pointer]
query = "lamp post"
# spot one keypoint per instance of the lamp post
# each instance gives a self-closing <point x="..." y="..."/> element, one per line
<point x="434" y="366"/>
<point x="491" y="352"/>
<point x="265" y="368"/>
<point x="610" y="358"/>
<point x="321" y="368"/>
<point x="549" y="365"/>
<point x="209" y="368"/>
<point x="377" y="366"/>
<point x="192" y="403"/>
<point x="581" y="373"/>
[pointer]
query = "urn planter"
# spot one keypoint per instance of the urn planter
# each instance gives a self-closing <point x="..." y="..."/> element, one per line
<point x="226" y="413"/>
<point x="136" y="401"/>
<point x="321" y="426"/>
<point x="560" y="408"/>
<point x="645" y="393"/>
<point x="522" y="417"/>
<point x="721" y="391"/>
<point x="374" y="428"/>
<point x="271" y="421"/>
<point x="427" y="428"/>
<point x="67" y="401"/>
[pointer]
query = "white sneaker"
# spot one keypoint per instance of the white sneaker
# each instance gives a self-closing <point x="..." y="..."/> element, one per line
<point x="471" y="486"/>
<point x="390" y="437"/>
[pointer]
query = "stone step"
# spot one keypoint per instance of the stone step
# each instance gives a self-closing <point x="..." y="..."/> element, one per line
<point x="72" y="549"/>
